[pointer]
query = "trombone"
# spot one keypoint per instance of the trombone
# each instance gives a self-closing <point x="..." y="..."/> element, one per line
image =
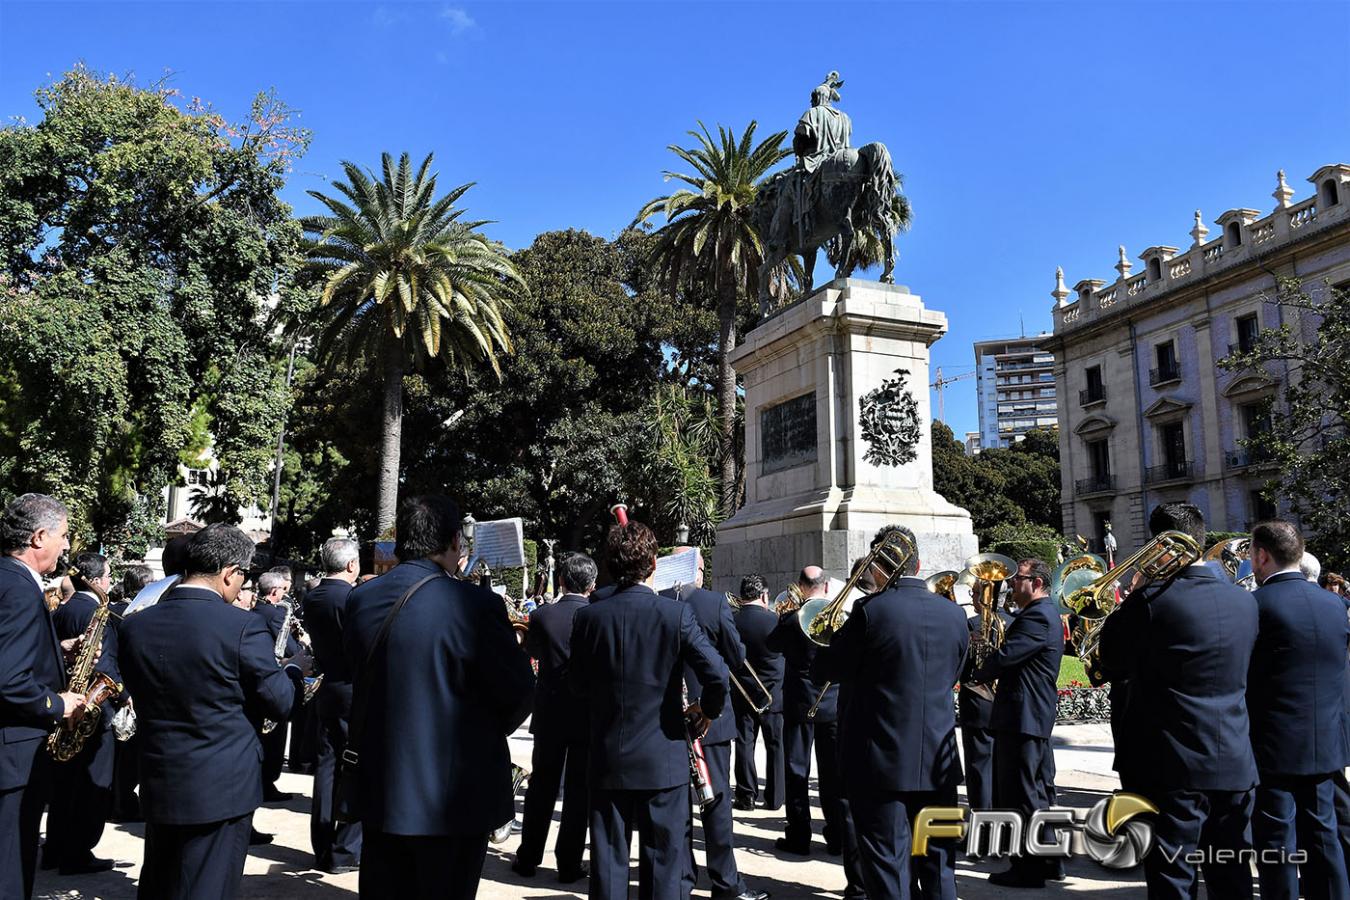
<point x="762" y="707"/>
<point x="821" y="619"/>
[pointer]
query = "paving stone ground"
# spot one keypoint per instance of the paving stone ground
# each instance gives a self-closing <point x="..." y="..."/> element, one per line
<point x="283" y="869"/>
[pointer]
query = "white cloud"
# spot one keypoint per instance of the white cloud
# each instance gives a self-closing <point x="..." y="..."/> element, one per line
<point x="458" y="20"/>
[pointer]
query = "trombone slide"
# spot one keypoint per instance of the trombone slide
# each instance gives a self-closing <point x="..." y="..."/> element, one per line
<point x="759" y="708"/>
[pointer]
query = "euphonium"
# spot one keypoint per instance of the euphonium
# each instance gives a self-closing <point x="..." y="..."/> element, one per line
<point x="1159" y="560"/>
<point x="983" y="570"/>
<point x="943" y="584"/>
<point x="67" y="741"/>
<point x="790" y="600"/>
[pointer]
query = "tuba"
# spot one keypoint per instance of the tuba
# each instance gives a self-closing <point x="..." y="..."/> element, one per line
<point x="943" y="584"/>
<point x="821" y="619"/>
<point x="1159" y="560"/>
<point x="983" y="571"/>
<point x="68" y="740"/>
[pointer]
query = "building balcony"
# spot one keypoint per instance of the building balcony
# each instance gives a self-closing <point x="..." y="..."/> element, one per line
<point x="1097" y="484"/>
<point x="1242" y="459"/>
<point x="1176" y="470"/>
<point x="1091" y="396"/>
<point x="1168" y="375"/>
<point x="1241" y="347"/>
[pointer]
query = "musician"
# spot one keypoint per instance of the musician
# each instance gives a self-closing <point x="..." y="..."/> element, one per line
<point x="337" y="848"/>
<point x="125" y="806"/>
<point x="204" y="675"/>
<point x="33" y="699"/>
<point x="754" y="624"/>
<point x="974" y="710"/>
<point x="444" y="690"/>
<point x="1185" y="645"/>
<point x="1295" y="698"/>
<point x="801" y="732"/>
<point x="630" y="656"/>
<point x="897" y="656"/>
<point x="854" y="886"/>
<point x="271" y="593"/>
<point x="82" y="787"/>
<point x="561" y="736"/>
<point x="713" y="614"/>
<point x="1026" y="667"/>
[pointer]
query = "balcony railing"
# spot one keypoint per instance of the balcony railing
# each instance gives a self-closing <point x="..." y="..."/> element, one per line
<point x="1242" y="347"/>
<point x="1241" y="459"/>
<point x="1096" y="484"/>
<point x="1164" y="375"/>
<point x="1092" y="395"/>
<point x="1176" y="470"/>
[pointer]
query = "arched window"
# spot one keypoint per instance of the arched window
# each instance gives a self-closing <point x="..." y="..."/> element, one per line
<point x="1330" y="196"/>
<point x="1154" y="270"/>
<point x="1234" y="234"/>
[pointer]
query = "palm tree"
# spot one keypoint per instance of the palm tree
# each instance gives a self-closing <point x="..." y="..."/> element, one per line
<point x="709" y="243"/>
<point x="405" y="284"/>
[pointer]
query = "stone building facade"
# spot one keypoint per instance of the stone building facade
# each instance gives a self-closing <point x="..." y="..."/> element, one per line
<point x="1015" y="388"/>
<point x="1145" y="414"/>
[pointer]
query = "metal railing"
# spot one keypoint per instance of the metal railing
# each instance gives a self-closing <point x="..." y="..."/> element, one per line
<point x="1175" y="470"/>
<point x="1096" y="484"/>
<point x="1091" y="395"/>
<point x="1163" y="375"/>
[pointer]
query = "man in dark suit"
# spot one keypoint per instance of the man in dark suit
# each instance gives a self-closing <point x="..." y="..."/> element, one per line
<point x="713" y="614"/>
<point x="1185" y="645"/>
<point x="1295" y="698"/>
<point x="898" y="656"/>
<point x="337" y="847"/>
<point x="801" y="732"/>
<point x="445" y="690"/>
<point x="754" y="624"/>
<point x="82" y="787"/>
<point x="975" y="707"/>
<point x="560" y="734"/>
<point x="630" y="656"/>
<point x="125" y="805"/>
<point x="1023" y="714"/>
<point x="271" y="593"/>
<point x="204" y="676"/>
<point x="33" y="701"/>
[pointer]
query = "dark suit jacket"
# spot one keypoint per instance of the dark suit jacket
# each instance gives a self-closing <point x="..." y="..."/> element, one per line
<point x="713" y="614"/>
<point x="629" y="655"/>
<point x="448" y="689"/>
<point x="1296" y="681"/>
<point x="754" y="624"/>
<point x="204" y="677"/>
<point x="274" y="615"/>
<point x="32" y="673"/>
<point x="899" y="656"/>
<point x="325" y="612"/>
<point x="1185" y="647"/>
<point x="972" y="709"/>
<point x="556" y="711"/>
<point x="70" y="619"/>
<point x="799" y="689"/>
<point x="1027" y="669"/>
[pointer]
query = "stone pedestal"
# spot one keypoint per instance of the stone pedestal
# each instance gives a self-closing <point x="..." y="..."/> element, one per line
<point x="811" y="495"/>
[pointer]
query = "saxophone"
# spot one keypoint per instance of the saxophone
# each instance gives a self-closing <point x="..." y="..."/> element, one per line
<point x="67" y="741"/>
<point x="279" y="651"/>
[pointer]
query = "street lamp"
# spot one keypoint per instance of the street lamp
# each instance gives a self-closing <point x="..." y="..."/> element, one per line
<point x="468" y="525"/>
<point x="682" y="534"/>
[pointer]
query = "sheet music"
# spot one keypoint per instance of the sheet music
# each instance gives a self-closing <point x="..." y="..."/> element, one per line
<point x="501" y="544"/>
<point x="678" y="568"/>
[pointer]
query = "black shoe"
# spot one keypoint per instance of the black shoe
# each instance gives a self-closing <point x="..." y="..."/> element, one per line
<point x="790" y="847"/>
<point x="523" y="870"/>
<point x="747" y="894"/>
<point x="1055" y="872"/>
<point x="1014" y="878"/>
<point x="88" y="866"/>
<point x="568" y="876"/>
<point x="342" y="870"/>
<point x="256" y="838"/>
<point x="272" y="795"/>
<point x="743" y="805"/>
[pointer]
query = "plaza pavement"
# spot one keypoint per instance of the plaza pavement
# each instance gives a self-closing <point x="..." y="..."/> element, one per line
<point x="283" y="868"/>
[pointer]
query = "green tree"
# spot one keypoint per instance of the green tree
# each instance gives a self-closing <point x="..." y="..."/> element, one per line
<point x="1013" y="487"/>
<point x="1308" y="449"/>
<point x="139" y="237"/>
<point x="708" y="244"/>
<point x="405" y="283"/>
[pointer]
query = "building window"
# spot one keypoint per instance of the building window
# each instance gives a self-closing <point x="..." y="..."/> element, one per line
<point x="1255" y="420"/>
<point x="1096" y="391"/>
<point x="1248" y="328"/>
<point x="1169" y="369"/>
<point x="1100" y="456"/>
<point x="1330" y="196"/>
<point x="1234" y="232"/>
<point x="1262" y="508"/>
<point x="1172" y="447"/>
<point x="1154" y="270"/>
<point x="199" y="477"/>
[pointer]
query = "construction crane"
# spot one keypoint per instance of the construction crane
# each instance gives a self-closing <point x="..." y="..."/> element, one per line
<point x="939" y="383"/>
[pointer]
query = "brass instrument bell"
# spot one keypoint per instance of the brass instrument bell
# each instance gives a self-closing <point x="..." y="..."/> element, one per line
<point x="944" y="583"/>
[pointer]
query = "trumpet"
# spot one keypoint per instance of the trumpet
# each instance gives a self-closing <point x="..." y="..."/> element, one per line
<point x="821" y="619"/>
<point x="1158" y="560"/>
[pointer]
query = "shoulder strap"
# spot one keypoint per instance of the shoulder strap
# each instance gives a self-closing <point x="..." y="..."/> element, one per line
<point x="361" y="696"/>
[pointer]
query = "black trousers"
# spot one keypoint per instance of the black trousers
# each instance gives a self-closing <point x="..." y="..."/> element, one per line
<point x="798" y="740"/>
<point x="1342" y="791"/>
<point x="1298" y="813"/>
<point x="304" y="744"/>
<point x="1187" y="820"/>
<point x="126" y="807"/>
<point x="748" y="726"/>
<point x="661" y="820"/>
<point x="977" y="745"/>
<point x="274" y="754"/>
<point x="883" y="820"/>
<point x="402" y="867"/>
<point x="334" y="845"/>
<point x="20" y="820"/>
<point x="1024" y="773"/>
<point x="854" y="886"/>
<point x="194" y="862"/>
<point x="81" y="798"/>
<point x="717" y="828"/>
<point x="555" y="755"/>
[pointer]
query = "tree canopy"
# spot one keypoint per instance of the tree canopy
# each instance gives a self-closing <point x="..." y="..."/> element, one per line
<point x="1000" y="487"/>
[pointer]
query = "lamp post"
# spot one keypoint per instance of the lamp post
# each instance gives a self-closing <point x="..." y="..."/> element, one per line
<point x="682" y="534"/>
<point x="468" y="525"/>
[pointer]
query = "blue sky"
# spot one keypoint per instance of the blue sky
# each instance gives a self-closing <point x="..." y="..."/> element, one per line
<point x="1030" y="135"/>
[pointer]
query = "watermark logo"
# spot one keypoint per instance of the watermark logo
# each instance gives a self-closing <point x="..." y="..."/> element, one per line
<point x="1113" y="834"/>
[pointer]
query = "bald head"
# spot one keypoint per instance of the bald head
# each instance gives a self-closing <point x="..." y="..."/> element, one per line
<point x="698" y="579"/>
<point x="813" y="582"/>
